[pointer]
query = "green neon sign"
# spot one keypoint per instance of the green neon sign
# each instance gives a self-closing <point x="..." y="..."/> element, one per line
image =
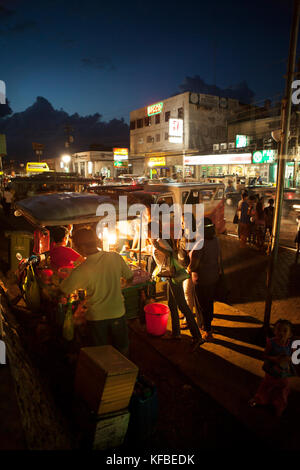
<point x="241" y="141"/>
<point x="119" y="163"/>
<point x="263" y="156"/>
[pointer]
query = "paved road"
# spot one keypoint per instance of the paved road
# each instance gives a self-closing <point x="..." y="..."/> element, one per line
<point x="288" y="227"/>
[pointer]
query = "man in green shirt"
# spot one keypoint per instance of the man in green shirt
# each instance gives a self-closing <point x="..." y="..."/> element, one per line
<point x="100" y="276"/>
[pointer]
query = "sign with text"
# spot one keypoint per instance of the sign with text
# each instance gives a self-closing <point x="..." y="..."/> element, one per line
<point x="263" y="156"/>
<point x="221" y="159"/>
<point x="241" y="141"/>
<point x="157" y="161"/>
<point x="120" y="153"/>
<point x="120" y="163"/>
<point x="176" y="131"/>
<point x="37" y="146"/>
<point x="155" y="108"/>
<point x="210" y="101"/>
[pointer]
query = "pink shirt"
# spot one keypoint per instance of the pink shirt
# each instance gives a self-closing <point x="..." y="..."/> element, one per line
<point x="63" y="256"/>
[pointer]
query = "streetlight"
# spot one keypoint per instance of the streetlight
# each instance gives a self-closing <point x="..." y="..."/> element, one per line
<point x="66" y="160"/>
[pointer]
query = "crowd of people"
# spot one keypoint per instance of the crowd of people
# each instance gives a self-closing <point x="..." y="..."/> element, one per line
<point x="255" y="222"/>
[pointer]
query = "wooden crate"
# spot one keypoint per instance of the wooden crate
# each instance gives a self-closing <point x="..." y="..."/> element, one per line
<point x="104" y="379"/>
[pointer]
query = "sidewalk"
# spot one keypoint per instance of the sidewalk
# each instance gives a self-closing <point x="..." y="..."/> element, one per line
<point x="229" y="370"/>
<point x="246" y="270"/>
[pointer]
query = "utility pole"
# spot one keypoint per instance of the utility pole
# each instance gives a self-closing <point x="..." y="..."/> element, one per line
<point x="296" y="156"/>
<point x="283" y="155"/>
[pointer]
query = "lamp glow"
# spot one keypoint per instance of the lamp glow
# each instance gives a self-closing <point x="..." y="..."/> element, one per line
<point x="66" y="159"/>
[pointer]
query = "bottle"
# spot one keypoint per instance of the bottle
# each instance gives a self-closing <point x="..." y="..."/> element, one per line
<point x="68" y="326"/>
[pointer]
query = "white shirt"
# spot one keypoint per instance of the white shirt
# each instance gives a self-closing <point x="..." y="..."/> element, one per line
<point x="100" y="276"/>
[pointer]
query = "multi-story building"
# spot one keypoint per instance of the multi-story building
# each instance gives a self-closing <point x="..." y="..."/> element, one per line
<point x="187" y="124"/>
<point x="257" y="131"/>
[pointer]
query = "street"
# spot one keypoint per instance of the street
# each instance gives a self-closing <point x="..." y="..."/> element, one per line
<point x="192" y="408"/>
<point x="288" y="228"/>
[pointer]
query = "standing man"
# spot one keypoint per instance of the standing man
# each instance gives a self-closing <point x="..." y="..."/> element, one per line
<point x="244" y="224"/>
<point x="100" y="275"/>
<point x="269" y="216"/>
<point x="239" y="208"/>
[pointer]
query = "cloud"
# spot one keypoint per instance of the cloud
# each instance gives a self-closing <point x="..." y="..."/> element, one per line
<point x="19" y="28"/>
<point x="102" y="63"/>
<point x="196" y="84"/>
<point x="42" y="123"/>
<point x="5" y="12"/>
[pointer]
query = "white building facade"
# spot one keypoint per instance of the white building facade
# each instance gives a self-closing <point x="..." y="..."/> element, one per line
<point x="93" y="163"/>
<point x="187" y="124"/>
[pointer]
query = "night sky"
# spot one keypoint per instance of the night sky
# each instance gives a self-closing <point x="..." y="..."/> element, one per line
<point x="112" y="57"/>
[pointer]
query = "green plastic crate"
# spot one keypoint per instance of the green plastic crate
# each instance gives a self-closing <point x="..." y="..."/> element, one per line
<point x="20" y="242"/>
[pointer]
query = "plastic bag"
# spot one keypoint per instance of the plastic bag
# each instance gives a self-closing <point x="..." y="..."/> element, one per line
<point x="181" y="273"/>
<point x="31" y="290"/>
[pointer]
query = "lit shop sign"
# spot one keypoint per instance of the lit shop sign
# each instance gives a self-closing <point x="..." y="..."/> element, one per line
<point x="120" y="163"/>
<point x="155" y="108"/>
<point x="241" y="141"/>
<point x="221" y="159"/>
<point x="175" y="130"/>
<point x="157" y="161"/>
<point x="263" y="156"/>
<point x="120" y="154"/>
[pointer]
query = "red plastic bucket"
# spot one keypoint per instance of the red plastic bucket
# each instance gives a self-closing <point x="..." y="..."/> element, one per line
<point x="156" y="318"/>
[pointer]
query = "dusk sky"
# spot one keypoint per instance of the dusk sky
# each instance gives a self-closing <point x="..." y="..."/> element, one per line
<point x="113" y="57"/>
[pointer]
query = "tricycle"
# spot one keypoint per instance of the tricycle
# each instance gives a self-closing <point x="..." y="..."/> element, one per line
<point x="39" y="280"/>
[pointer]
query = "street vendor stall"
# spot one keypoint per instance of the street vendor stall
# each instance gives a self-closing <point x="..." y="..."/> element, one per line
<point x="39" y="282"/>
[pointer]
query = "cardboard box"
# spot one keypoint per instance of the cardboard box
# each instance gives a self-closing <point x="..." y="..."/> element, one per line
<point x="104" y="379"/>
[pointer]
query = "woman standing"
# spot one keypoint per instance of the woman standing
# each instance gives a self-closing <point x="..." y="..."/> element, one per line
<point x="260" y="225"/>
<point x="162" y="251"/>
<point x="205" y="270"/>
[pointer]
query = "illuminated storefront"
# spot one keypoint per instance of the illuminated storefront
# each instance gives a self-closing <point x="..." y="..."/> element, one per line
<point x="219" y="164"/>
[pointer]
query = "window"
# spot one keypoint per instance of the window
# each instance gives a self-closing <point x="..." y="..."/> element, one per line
<point x="167" y="116"/>
<point x="157" y="118"/>
<point x="220" y="194"/>
<point x="207" y="194"/>
<point x="180" y="113"/>
<point x="150" y="139"/>
<point x="193" y="197"/>
<point x="165" y="200"/>
<point x="166" y="135"/>
<point x="141" y="140"/>
<point x="157" y="137"/>
<point x="139" y="123"/>
<point x="147" y="120"/>
<point x="132" y="125"/>
<point x="184" y="196"/>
